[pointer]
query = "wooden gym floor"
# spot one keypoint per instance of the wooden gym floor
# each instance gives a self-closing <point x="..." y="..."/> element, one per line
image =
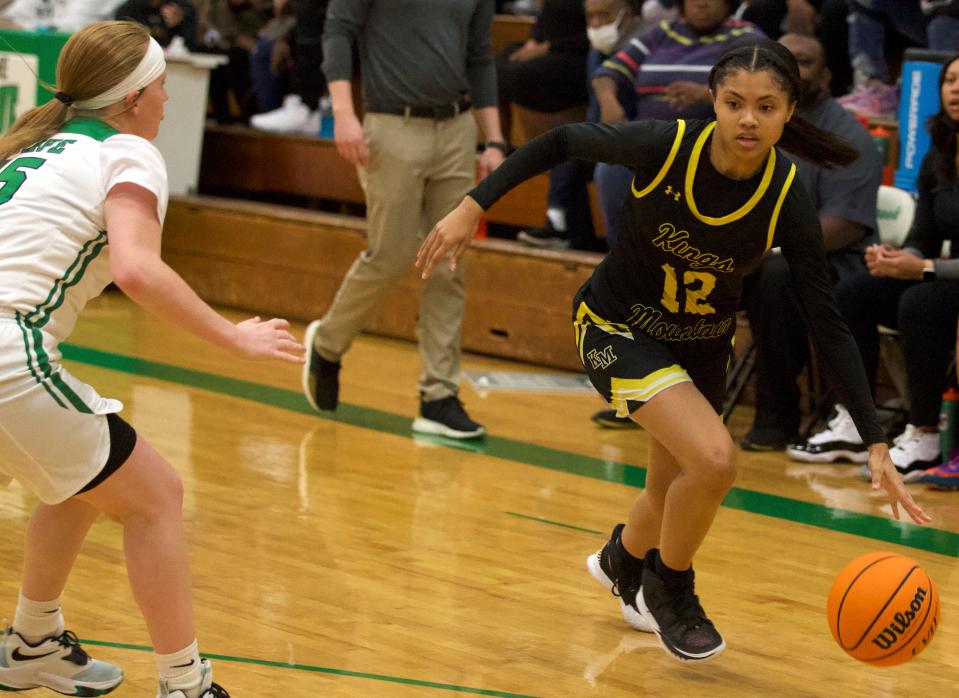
<point x="345" y="557"/>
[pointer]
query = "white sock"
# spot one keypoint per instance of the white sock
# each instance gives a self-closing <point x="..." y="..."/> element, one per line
<point x="37" y="620"/>
<point x="182" y="667"/>
<point x="557" y="217"/>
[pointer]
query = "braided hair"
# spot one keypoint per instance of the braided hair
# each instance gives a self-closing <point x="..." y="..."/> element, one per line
<point x="799" y="137"/>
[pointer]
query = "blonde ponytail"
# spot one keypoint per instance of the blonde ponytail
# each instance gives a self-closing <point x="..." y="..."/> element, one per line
<point x="32" y="127"/>
<point x="93" y="60"/>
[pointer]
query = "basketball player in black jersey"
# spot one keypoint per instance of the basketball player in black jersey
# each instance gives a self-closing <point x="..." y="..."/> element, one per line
<point x="655" y="322"/>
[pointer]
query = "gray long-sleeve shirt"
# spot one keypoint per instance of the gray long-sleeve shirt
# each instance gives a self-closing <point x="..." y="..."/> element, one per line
<point x="413" y="52"/>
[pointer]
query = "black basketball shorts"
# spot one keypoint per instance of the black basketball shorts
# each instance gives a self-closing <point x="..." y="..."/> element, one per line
<point x="629" y="368"/>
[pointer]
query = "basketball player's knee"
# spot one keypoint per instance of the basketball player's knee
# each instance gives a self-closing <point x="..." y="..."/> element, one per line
<point x="162" y="500"/>
<point x="170" y="493"/>
<point x="719" y="472"/>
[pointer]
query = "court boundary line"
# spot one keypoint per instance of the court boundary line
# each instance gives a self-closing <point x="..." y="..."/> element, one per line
<point x="879" y="528"/>
<point x="312" y="668"/>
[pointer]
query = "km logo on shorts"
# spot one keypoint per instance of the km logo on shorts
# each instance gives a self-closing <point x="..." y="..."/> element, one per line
<point x="601" y="358"/>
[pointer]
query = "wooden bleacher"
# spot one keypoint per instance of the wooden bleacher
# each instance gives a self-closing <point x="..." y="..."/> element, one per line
<point x="285" y="261"/>
<point x="244" y="162"/>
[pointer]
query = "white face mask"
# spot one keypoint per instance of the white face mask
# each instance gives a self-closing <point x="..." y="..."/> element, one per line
<point x="604" y="37"/>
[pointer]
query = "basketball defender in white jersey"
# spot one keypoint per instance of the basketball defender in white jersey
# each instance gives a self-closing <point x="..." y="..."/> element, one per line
<point x="83" y="194"/>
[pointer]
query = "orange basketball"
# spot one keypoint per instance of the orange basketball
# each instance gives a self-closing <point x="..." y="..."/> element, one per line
<point x="883" y="609"/>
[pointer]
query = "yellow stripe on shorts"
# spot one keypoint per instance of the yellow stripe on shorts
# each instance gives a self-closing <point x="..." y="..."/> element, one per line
<point x="644" y="389"/>
<point x="586" y="317"/>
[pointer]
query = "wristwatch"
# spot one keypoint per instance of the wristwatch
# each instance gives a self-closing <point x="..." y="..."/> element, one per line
<point x="499" y="145"/>
<point x="929" y="270"/>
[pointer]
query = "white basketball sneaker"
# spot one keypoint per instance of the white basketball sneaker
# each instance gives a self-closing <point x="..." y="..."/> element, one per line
<point x="57" y="663"/>
<point x="914" y="452"/>
<point x="838" y="441"/>
<point x="292" y="117"/>
<point x="205" y="688"/>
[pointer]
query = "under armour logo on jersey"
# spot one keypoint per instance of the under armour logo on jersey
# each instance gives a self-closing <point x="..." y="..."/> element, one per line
<point x="673" y="193"/>
<point x="602" y="358"/>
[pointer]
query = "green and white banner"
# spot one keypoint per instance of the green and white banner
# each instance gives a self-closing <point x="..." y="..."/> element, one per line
<point x="18" y="86"/>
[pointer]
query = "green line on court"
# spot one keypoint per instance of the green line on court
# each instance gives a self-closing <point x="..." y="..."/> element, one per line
<point x="323" y="670"/>
<point x="540" y="519"/>
<point x="867" y="525"/>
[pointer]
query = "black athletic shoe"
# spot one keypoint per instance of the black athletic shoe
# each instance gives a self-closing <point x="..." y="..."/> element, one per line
<point x="545" y="237"/>
<point x="622" y="576"/>
<point x="321" y="378"/>
<point x="676" y="616"/>
<point x="766" y="440"/>
<point x="447" y="417"/>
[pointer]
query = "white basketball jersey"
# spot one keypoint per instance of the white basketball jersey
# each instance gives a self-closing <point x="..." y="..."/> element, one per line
<point x="53" y="240"/>
<point x="53" y="259"/>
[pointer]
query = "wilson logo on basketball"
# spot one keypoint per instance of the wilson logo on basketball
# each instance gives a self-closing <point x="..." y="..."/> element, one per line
<point x="901" y="622"/>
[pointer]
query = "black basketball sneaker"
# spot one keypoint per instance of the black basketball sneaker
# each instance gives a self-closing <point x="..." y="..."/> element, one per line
<point x="676" y="616"/>
<point x="622" y="576"/>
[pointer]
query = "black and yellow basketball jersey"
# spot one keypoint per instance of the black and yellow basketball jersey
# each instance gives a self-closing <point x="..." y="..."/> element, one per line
<point x="690" y="236"/>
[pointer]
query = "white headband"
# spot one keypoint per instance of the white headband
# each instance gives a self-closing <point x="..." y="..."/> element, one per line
<point x="151" y="67"/>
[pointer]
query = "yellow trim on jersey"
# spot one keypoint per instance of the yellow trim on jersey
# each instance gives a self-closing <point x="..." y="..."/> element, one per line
<point x="746" y="207"/>
<point x="677" y="141"/>
<point x="586" y="317"/>
<point x="779" y="205"/>
<point x="644" y="389"/>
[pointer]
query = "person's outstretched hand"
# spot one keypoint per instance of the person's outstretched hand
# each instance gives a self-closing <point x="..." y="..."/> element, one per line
<point x="885" y="476"/>
<point x="451" y="235"/>
<point x="268" y="339"/>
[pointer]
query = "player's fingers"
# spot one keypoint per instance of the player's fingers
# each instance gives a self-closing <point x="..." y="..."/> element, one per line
<point x="426" y="247"/>
<point x="458" y="252"/>
<point x="895" y="507"/>
<point x="288" y="358"/>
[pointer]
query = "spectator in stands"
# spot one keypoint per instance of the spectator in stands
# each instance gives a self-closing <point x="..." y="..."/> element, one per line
<point x="915" y="291"/>
<point x="824" y="18"/>
<point x="51" y="15"/>
<point x="230" y="27"/>
<point x="569" y="223"/>
<point x="667" y="67"/>
<point x="547" y="73"/>
<point x="423" y="72"/>
<point x="271" y="61"/>
<point x="300" y="110"/>
<point x="846" y="201"/>
<point x="932" y="23"/>
<point x="167" y="19"/>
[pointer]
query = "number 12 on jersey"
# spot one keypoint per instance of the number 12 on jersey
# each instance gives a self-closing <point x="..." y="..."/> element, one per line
<point x="697" y="285"/>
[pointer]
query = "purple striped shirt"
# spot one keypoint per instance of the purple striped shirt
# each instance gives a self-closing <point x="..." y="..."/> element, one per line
<point x="669" y="52"/>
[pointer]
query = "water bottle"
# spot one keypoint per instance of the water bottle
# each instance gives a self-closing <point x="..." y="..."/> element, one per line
<point x="326" y="118"/>
<point x="880" y="137"/>
<point x="949" y="423"/>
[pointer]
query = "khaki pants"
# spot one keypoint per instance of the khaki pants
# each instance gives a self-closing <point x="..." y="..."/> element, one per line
<point x="419" y="170"/>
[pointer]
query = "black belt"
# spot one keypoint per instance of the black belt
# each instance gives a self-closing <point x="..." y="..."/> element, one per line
<point x="446" y="111"/>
